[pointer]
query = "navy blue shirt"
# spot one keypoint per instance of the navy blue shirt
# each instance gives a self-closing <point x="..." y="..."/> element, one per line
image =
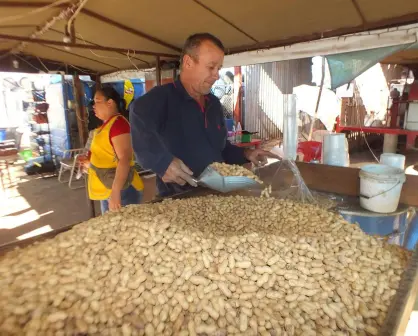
<point x="167" y="122"/>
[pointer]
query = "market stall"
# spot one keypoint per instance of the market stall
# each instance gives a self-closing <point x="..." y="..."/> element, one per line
<point x="215" y="264"/>
<point x="219" y="264"/>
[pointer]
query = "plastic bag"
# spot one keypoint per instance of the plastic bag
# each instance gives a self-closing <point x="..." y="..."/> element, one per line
<point x="288" y="183"/>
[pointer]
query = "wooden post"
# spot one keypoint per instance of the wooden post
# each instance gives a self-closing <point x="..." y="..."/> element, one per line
<point x="319" y="99"/>
<point x="80" y="111"/>
<point x="237" y="94"/>
<point x="158" y="71"/>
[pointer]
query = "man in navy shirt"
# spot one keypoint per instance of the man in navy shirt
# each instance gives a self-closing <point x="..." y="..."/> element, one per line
<point x="178" y="129"/>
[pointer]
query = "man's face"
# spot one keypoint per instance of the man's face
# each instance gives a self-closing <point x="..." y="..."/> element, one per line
<point x="203" y="70"/>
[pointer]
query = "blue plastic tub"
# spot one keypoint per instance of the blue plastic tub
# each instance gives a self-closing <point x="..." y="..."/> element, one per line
<point x="2" y="134"/>
<point x="396" y="226"/>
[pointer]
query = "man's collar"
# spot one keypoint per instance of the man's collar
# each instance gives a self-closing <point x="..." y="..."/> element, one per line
<point x="180" y="87"/>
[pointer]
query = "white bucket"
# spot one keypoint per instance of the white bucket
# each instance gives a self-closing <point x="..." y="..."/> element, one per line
<point x="393" y="160"/>
<point x="335" y="150"/>
<point x="380" y="187"/>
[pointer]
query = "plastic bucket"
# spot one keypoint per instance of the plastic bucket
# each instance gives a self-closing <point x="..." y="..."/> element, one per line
<point x="380" y="187"/>
<point x="335" y="150"/>
<point x="393" y="160"/>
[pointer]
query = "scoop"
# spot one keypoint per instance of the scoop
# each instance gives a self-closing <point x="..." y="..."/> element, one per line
<point x="211" y="179"/>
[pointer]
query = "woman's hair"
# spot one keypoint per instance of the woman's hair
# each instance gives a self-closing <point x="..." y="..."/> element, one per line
<point x="110" y="93"/>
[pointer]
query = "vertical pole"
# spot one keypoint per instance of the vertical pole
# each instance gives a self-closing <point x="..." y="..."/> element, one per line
<point x="318" y="100"/>
<point x="158" y="71"/>
<point x="237" y="94"/>
<point x="80" y="111"/>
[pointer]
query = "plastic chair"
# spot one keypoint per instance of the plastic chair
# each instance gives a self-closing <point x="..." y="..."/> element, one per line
<point x="311" y="150"/>
<point x="69" y="162"/>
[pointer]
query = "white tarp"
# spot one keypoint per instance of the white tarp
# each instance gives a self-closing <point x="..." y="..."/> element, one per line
<point x="336" y="45"/>
<point x="329" y="106"/>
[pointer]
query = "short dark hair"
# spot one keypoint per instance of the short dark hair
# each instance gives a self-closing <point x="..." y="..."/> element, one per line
<point x="194" y="41"/>
<point x="110" y="93"/>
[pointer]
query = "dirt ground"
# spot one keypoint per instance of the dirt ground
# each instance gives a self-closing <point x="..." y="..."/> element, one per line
<point x="32" y="205"/>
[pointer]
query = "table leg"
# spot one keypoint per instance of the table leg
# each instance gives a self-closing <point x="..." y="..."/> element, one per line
<point x="410" y="141"/>
<point x="90" y="203"/>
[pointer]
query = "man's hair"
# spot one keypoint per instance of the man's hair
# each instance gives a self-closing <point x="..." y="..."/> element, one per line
<point x="194" y="41"/>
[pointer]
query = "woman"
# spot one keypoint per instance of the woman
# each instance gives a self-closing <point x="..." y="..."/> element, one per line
<point x="112" y="178"/>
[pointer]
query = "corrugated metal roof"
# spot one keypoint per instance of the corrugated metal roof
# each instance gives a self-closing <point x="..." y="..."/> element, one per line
<point x="267" y="87"/>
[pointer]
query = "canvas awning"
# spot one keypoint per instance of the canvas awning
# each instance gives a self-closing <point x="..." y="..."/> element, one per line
<point x="113" y="35"/>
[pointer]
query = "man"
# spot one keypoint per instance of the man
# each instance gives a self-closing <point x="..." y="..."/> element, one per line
<point x="178" y="129"/>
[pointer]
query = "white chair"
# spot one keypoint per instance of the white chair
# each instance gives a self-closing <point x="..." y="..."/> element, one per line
<point x="70" y="163"/>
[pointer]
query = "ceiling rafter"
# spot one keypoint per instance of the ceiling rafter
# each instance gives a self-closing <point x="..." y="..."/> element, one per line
<point x="359" y="12"/>
<point x="67" y="10"/>
<point x="37" y="4"/>
<point x="83" y="46"/>
<point x="95" y="44"/>
<point x="381" y="24"/>
<point x="207" y="8"/>
<point x="82" y="56"/>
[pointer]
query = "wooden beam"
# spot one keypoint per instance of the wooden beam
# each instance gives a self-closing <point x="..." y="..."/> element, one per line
<point x="337" y="180"/>
<point x="346" y="181"/>
<point x="80" y="110"/>
<point x="37" y="4"/>
<point x="82" y="46"/>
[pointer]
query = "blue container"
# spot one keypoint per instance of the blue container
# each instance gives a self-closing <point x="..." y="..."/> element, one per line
<point x="2" y="134"/>
<point x="229" y="124"/>
<point x="412" y="234"/>
<point x="395" y="226"/>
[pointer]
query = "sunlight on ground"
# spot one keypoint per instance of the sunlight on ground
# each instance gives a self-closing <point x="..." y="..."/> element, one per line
<point x="411" y="170"/>
<point x="34" y="233"/>
<point x="412" y="329"/>
<point x="11" y="222"/>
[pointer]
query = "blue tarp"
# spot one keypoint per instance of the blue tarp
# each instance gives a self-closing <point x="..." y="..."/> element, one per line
<point x="347" y="66"/>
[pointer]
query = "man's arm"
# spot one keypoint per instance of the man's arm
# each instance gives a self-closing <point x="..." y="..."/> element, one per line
<point x="233" y="154"/>
<point x="147" y="117"/>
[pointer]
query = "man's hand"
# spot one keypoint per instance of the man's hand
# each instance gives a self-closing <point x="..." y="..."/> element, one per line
<point x="178" y="172"/>
<point x="259" y="156"/>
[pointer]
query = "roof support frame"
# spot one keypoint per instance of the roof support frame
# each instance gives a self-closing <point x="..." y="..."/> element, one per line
<point x="83" y="46"/>
<point x="37" y="4"/>
<point x="359" y="12"/>
<point x="207" y="8"/>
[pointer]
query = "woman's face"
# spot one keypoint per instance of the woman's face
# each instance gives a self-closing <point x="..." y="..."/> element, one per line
<point x="103" y="107"/>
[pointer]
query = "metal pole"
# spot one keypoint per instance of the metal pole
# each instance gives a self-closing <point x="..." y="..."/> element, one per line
<point x="158" y="71"/>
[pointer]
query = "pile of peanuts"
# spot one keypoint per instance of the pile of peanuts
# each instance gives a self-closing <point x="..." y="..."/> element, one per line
<point x="234" y="170"/>
<point x="203" y="266"/>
